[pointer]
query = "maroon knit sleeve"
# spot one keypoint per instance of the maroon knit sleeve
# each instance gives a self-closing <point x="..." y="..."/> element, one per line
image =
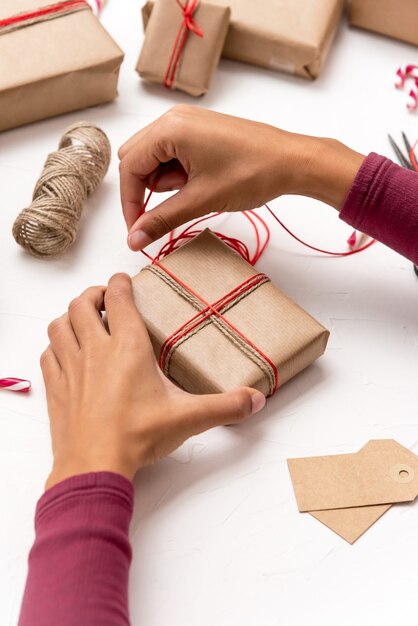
<point x="79" y="563"/>
<point x="383" y="203"/>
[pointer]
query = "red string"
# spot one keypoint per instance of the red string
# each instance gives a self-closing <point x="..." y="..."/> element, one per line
<point x="260" y="228"/>
<point x="187" y="233"/>
<point x="204" y="314"/>
<point x="228" y="323"/>
<point x="188" y="25"/>
<point x="31" y="15"/>
<point x="307" y="245"/>
<point x="174" y="242"/>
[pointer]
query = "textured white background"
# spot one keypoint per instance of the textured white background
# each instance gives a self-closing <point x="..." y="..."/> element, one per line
<point x="216" y="533"/>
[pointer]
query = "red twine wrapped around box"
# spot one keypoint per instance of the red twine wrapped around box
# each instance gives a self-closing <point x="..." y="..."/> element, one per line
<point x="209" y="310"/>
<point x="48" y="12"/>
<point x="215" y="309"/>
<point x="188" y="25"/>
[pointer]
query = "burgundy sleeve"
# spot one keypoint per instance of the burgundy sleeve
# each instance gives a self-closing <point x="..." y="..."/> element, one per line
<point x="79" y="563"/>
<point x="383" y="203"/>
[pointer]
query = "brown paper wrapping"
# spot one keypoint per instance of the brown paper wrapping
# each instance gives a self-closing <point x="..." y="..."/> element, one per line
<point x="292" y="36"/>
<point x="394" y="18"/>
<point x="54" y="67"/>
<point x="209" y="362"/>
<point x="200" y="56"/>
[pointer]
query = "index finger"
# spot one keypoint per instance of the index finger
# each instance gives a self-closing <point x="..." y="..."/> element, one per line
<point x="132" y="193"/>
<point x="136" y="166"/>
<point x="141" y="156"/>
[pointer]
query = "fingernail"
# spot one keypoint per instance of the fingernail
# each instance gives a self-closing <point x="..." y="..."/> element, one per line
<point x="258" y="401"/>
<point x="138" y="240"/>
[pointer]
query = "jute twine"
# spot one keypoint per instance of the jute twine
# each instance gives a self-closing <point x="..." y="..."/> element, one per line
<point x="49" y="226"/>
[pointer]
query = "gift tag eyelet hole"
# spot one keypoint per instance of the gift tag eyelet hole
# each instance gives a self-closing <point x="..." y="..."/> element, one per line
<point x="402" y="473"/>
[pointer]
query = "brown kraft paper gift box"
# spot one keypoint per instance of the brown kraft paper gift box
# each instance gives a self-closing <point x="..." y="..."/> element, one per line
<point x="200" y="56"/>
<point x="394" y="18"/>
<point x="213" y="358"/>
<point x="54" y="66"/>
<point x="292" y="36"/>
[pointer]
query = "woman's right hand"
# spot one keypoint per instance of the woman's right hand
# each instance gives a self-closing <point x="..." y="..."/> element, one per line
<point x="223" y="163"/>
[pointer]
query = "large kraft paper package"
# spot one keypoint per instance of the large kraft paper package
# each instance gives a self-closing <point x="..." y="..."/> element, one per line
<point x="292" y="36"/>
<point x="394" y="18"/>
<point x="200" y="56"/>
<point x="213" y="358"/>
<point x="55" y="66"/>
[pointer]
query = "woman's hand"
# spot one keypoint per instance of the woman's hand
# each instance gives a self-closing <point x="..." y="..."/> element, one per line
<point x="110" y="406"/>
<point x="223" y="163"/>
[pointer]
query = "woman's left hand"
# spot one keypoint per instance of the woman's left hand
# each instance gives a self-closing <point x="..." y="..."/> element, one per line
<point x="110" y="406"/>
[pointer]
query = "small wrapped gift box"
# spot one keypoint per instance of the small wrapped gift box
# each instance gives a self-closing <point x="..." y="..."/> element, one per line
<point x="216" y="323"/>
<point x="55" y="57"/>
<point x="394" y="18"/>
<point x="183" y="44"/>
<point x="292" y="36"/>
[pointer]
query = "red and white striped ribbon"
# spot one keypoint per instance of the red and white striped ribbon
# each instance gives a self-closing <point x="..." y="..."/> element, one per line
<point x="15" y="384"/>
<point x="96" y="5"/>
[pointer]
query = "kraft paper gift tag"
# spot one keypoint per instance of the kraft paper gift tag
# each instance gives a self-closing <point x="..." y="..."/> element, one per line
<point x="53" y="66"/>
<point x="292" y="36"/>
<point x="212" y="357"/>
<point x="191" y="69"/>
<point x="349" y="492"/>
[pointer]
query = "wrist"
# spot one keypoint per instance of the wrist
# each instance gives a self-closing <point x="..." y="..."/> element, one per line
<point x="325" y="169"/>
<point x="63" y="470"/>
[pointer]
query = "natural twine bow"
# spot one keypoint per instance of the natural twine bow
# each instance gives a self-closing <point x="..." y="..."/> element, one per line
<point x="188" y="25"/>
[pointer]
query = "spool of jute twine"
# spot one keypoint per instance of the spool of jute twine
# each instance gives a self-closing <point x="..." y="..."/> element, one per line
<point x="50" y="224"/>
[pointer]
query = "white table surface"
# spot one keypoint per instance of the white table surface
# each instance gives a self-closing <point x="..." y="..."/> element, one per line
<point x="216" y="533"/>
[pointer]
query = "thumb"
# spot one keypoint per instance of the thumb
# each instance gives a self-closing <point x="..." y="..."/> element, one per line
<point x="185" y="205"/>
<point x="223" y="409"/>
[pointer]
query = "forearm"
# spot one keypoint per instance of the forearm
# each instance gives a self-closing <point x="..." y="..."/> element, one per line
<point x="372" y="193"/>
<point x="79" y="563"/>
<point x="383" y="202"/>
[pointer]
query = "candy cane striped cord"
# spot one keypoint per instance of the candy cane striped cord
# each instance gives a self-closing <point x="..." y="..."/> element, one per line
<point x="356" y="240"/>
<point x="15" y="384"/>
<point x="96" y="5"/>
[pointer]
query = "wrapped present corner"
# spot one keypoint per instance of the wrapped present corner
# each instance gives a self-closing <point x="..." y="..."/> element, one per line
<point x="293" y="36"/>
<point x="183" y="44"/>
<point x="387" y="17"/>
<point x="55" y="57"/>
<point x="216" y="323"/>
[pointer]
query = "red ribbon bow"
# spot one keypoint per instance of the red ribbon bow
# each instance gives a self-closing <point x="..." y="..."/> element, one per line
<point x="187" y="26"/>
